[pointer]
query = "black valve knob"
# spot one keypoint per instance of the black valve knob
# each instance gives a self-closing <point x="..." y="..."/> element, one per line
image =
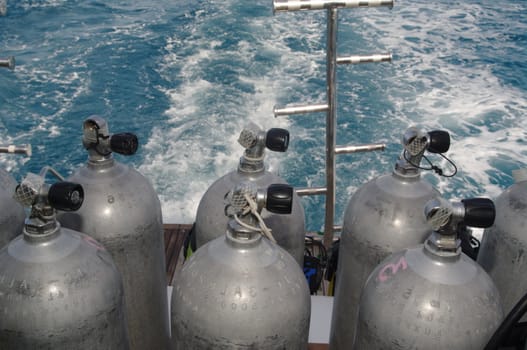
<point x="479" y="212"/>
<point x="279" y="199"/>
<point x="277" y="140"/>
<point x="124" y="143"/>
<point x="66" y="196"/>
<point x="439" y="141"/>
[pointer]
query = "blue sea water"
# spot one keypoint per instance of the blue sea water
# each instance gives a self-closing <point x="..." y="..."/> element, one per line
<point x="186" y="76"/>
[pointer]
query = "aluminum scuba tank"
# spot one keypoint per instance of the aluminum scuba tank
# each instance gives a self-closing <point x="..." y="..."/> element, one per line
<point x="242" y="291"/>
<point x="502" y="251"/>
<point x="122" y="211"/>
<point x="12" y="213"/>
<point x="289" y="230"/>
<point x="432" y="296"/>
<point x="59" y="288"/>
<point x="382" y="216"/>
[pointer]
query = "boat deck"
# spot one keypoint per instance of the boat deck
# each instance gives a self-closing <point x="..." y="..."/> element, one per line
<point x="175" y="235"/>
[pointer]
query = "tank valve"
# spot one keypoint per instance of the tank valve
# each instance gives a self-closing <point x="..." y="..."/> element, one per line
<point x="255" y="141"/>
<point x="246" y="203"/>
<point x="96" y="137"/>
<point x="446" y="218"/>
<point x="9" y="62"/>
<point x="44" y="199"/>
<point x="416" y="142"/>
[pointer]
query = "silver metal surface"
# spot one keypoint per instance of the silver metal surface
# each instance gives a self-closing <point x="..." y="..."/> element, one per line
<point x="59" y="289"/>
<point x="10" y="61"/>
<point x="358" y="149"/>
<point x="296" y="5"/>
<point x="383" y="216"/>
<point x="310" y="191"/>
<point x="415" y="300"/>
<point x="240" y="291"/>
<point x="22" y="149"/>
<point x="288" y="230"/>
<point x="503" y="247"/>
<point x="357" y="59"/>
<point x="299" y="110"/>
<point x="432" y="296"/>
<point x="12" y="214"/>
<point x="122" y="211"/>
<point x="331" y="123"/>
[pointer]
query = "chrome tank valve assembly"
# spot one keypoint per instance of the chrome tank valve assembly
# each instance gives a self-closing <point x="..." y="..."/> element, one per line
<point x="241" y="290"/>
<point x="59" y="289"/>
<point x="289" y="230"/>
<point x="432" y="296"/>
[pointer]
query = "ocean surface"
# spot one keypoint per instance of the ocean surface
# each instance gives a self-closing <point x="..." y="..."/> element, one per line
<point x="187" y="76"/>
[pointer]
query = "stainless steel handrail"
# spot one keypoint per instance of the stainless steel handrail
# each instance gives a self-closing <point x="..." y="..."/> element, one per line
<point x="331" y="106"/>
<point x="3" y="7"/>
<point x="8" y="62"/>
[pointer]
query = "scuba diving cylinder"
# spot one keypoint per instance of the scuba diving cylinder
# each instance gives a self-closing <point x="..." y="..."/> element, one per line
<point x="289" y="230"/>
<point x="382" y="216"/>
<point x="503" y="247"/>
<point x="12" y="213"/>
<point x="242" y="291"/>
<point x="122" y="211"/>
<point x="432" y="296"/>
<point x="59" y="289"/>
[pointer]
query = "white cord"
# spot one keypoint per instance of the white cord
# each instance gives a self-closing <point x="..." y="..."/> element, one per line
<point x="266" y="231"/>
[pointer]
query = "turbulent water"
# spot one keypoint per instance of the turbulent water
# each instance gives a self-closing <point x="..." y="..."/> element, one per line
<point x="187" y="76"/>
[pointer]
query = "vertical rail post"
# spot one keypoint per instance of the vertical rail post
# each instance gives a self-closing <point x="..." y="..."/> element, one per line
<point x="331" y="124"/>
<point x="3" y="7"/>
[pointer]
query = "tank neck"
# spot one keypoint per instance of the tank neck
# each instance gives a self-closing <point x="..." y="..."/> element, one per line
<point x="443" y="246"/>
<point x="240" y="237"/>
<point x="37" y="230"/>
<point x="406" y="173"/>
<point x="407" y="169"/>
<point x="98" y="162"/>
<point x="249" y="165"/>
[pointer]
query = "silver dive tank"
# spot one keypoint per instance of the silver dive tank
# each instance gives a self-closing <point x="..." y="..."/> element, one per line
<point x="12" y="214"/>
<point x="122" y="211"/>
<point x="59" y="288"/>
<point x="504" y="245"/>
<point x="432" y="296"/>
<point x="289" y="230"/>
<point x="241" y="290"/>
<point x="383" y="216"/>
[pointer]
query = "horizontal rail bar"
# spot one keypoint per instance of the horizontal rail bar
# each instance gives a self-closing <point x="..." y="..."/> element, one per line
<point x="310" y="191"/>
<point x="337" y="228"/>
<point x="278" y="112"/>
<point x="23" y="149"/>
<point x="8" y="62"/>
<point x="362" y="148"/>
<point x="298" y="5"/>
<point x="365" y="59"/>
